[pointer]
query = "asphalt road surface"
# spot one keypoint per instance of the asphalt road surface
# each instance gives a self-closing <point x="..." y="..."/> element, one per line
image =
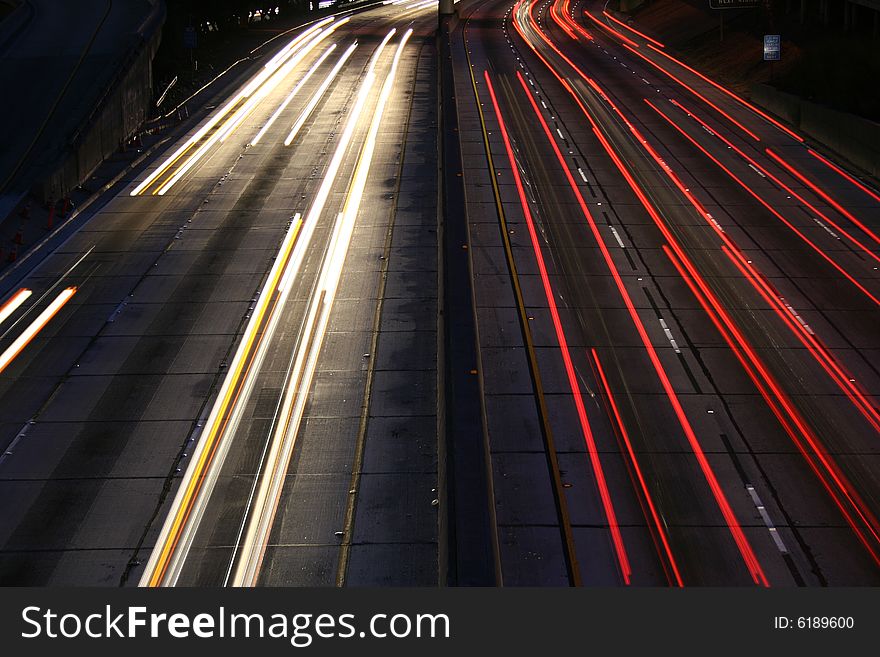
<point x="229" y="375"/>
<point x="690" y="332"/>
<point x="171" y="359"/>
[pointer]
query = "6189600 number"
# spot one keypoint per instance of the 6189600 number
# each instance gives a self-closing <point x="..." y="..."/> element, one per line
<point x="814" y="623"/>
<point x="825" y="622"/>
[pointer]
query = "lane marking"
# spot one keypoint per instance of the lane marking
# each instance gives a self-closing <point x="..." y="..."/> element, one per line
<point x="774" y="533"/>
<point x="669" y="335"/>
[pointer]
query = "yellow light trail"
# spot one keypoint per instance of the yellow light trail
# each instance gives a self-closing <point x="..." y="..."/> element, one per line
<point x="244" y="111"/>
<point x="309" y="345"/>
<point x="178" y="530"/>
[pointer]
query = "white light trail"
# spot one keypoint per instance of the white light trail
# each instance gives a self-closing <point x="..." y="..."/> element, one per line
<point x="267" y="71"/>
<point x="316" y="97"/>
<point x="178" y="531"/>
<point x="292" y="94"/>
<point x="244" y="111"/>
<point x="14" y="303"/>
<point x="267" y="88"/>
<point x="309" y="346"/>
<point x="35" y="327"/>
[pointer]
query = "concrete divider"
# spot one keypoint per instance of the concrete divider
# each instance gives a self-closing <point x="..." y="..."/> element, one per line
<point x="116" y="116"/>
<point x="854" y="138"/>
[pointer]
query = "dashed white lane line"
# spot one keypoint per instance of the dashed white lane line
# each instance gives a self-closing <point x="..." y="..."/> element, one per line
<point x="669" y="336"/>
<point x="797" y="316"/>
<point x="767" y="521"/>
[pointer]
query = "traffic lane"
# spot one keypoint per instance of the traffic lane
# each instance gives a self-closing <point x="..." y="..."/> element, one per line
<point x="397" y="502"/>
<point x="679" y="76"/>
<point x="818" y="409"/>
<point x="787" y="262"/>
<point x="529" y="555"/>
<point x="391" y="497"/>
<point x="193" y="387"/>
<point x="704" y="259"/>
<point x="111" y="240"/>
<point x="698" y="406"/>
<point x="125" y="239"/>
<point x="218" y="532"/>
<point x="392" y="531"/>
<point x="618" y="82"/>
<point x="569" y="238"/>
<point x="332" y="388"/>
<point x="311" y="218"/>
<point x="814" y="165"/>
<point x="517" y="518"/>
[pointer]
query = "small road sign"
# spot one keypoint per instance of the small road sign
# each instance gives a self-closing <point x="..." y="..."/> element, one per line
<point x="772" y="47"/>
<point x="190" y="38"/>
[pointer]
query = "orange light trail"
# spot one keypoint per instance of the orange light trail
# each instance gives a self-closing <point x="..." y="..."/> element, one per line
<point x="35" y="327"/>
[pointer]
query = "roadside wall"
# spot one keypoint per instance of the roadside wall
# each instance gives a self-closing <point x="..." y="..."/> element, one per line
<point x="116" y="116"/>
<point x="855" y="138"/>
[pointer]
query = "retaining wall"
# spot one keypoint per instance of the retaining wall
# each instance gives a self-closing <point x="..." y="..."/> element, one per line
<point x="855" y="138"/>
<point x="116" y="116"/>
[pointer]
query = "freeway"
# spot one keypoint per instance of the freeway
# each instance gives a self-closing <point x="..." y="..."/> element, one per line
<point x="249" y="292"/>
<point x="675" y="297"/>
<point x="238" y="370"/>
